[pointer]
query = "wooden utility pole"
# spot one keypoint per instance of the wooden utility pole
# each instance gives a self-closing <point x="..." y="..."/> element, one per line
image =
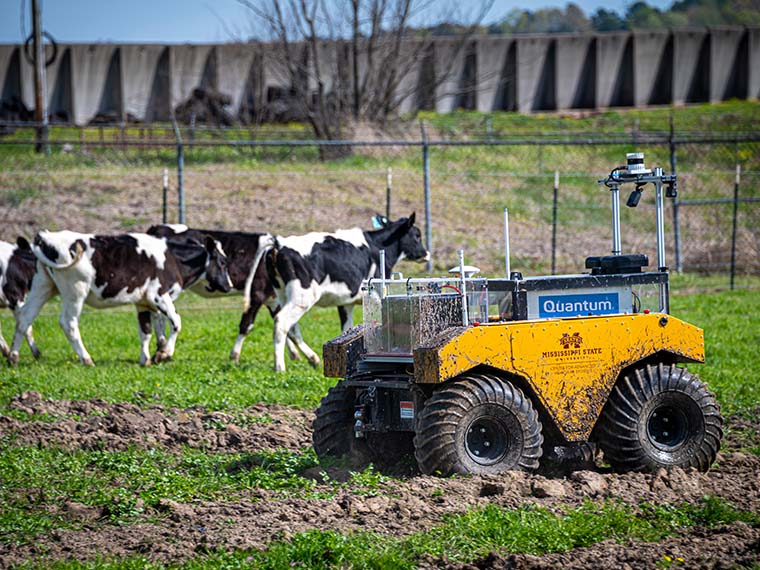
<point x="40" y="86"/>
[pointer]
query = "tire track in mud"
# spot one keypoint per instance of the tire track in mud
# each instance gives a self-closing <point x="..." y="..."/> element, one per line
<point x="400" y="507"/>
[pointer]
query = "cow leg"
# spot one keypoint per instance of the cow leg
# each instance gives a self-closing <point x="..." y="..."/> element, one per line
<point x="159" y="326"/>
<point x="32" y="344"/>
<point x="145" y="332"/>
<point x="289" y="344"/>
<point x="4" y="348"/>
<point x="246" y="324"/>
<point x="295" y="334"/>
<point x="346" y="314"/>
<point x="166" y="306"/>
<point x="69" y="321"/>
<point x="42" y="290"/>
<point x="284" y="324"/>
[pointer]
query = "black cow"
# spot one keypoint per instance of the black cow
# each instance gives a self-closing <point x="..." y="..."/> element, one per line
<point x="16" y="272"/>
<point x="105" y="271"/>
<point x="327" y="270"/>
<point x="241" y="249"/>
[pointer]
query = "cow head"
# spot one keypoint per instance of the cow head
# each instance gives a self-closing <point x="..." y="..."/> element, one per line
<point x="408" y="237"/>
<point x="217" y="275"/>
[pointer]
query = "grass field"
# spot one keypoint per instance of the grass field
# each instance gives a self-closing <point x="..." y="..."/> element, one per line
<point x="202" y="374"/>
<point x="115" y="190"/>
<point x="289" y="190"/>
<point x="130" y="484"/>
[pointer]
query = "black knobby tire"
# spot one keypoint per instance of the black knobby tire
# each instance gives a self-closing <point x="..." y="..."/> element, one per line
<point x="333" y="431"/>
<point x="660" y="416"/>
<point x="478" y="424"/>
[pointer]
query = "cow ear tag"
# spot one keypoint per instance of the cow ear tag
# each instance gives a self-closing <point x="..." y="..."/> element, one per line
<point x="377" y="221"/>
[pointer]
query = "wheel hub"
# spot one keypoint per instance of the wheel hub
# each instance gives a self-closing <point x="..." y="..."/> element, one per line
<point x="667" y="427"/>
<point x="487" y="441"/>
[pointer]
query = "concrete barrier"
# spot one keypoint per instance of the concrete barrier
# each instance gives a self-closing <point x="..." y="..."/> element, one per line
<point x="691" y="75"/>
<point x="146" y="88"/>
<point x="576" y="72"/>
<point x="191" y="66"/>
<point x="536" y="74"/>
<point x="239" y="75"/>
<point x="754" y="63"/>
<point x="614" y="70"/>
<point x="523" y="73"/>
<point x="449" y="71"/>
<point x="492" y="57"/>
<point x="652" y="68"/>
<point x="97" y="75"/>
<point x="728" y="67"/>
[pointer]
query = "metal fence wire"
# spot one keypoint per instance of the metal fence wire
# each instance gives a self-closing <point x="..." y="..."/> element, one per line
<point x="111" y="179"/>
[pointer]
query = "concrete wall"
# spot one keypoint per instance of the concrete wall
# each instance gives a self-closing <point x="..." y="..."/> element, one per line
<point x="523" y="73"/>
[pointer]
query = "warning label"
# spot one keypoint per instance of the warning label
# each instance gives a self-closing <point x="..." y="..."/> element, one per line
<point x="406" y="410"/>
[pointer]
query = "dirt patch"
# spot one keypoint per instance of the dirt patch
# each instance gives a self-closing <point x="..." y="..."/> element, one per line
<point x="732" y="546"/>
<point x="96" y="424"/>
<point x="173" y="532"/>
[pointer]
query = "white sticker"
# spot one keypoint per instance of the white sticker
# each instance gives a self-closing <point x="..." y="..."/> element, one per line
<point x="406" y="410"/>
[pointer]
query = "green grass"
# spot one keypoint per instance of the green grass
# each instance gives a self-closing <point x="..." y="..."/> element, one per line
<point x="202" y="374"/>
<point x="732" y="336"/>
<point x="466" y="537"/>
<point x="123" y="485"/>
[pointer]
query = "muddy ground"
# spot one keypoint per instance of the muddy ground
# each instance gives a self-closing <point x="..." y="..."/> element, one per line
<point x="401" y="507"/>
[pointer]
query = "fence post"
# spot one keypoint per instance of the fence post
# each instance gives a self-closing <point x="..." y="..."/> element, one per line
<point x="676" y="204"/>
<point x="180" y="172"/>
<point x="165" y="196"/>
<point x="388" y="187"/>
<point x="426" y="181"/>
<point x="736" y="215"/>
<point x="554" y="222"/>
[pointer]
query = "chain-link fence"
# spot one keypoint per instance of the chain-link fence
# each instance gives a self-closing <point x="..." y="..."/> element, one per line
<point x="110" y="179"/>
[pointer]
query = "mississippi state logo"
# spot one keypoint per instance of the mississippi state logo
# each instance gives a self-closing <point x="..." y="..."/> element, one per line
<point x="567" y="340"/>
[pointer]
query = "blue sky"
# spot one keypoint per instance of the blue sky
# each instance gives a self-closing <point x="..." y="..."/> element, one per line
<point x="183" y="20"/>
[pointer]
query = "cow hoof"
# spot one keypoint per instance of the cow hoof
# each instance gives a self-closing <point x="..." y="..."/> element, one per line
<point x="13" y="359"/>
<point x="88" y="362"/>
<point x="235" y="357"/>
<point x="36" y="353"/>
<point x="147" y="362"/>
<point x="5" y="351"/>
<point x="294" y="356"/>
<point x="315" y="362"/>
<point x="161" y="356"/>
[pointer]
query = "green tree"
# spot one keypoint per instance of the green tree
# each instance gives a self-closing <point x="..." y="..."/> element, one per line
<point x="607" y="21"/>
<point x="642" y="15"/>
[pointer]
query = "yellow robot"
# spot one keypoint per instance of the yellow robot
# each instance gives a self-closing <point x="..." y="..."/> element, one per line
<point x="476" y="375"/>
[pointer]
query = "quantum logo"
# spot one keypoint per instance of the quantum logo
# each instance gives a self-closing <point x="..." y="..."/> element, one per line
<point x="553" y="306"/>
<point x="574" y="340"/>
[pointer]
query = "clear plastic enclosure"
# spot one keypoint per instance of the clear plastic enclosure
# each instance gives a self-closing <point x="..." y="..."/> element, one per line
<point x="646" y="297"/>
<point x="401" y="315"/>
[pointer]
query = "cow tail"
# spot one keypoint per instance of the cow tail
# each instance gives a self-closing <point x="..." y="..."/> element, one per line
<point x="267" y="242"/>
<point x="51" y="264"/>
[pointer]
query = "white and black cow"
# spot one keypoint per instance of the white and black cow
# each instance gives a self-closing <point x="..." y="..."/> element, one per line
<point x="16" y="272"/>
<point x="241" y="249"/>
<point x="327" y="270"/>
<point x="105" y="271"/>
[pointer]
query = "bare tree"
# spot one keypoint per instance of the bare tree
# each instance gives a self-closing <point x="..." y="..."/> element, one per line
<point x="349" y="61"/>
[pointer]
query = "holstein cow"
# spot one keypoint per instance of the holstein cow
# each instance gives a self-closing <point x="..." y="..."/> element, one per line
<point x="104" y="271"/>
<point x="204" y="267"/>
<point x="241" y="249"/>
<point x="327" y="270"/>
<point x="16" y="271"/>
